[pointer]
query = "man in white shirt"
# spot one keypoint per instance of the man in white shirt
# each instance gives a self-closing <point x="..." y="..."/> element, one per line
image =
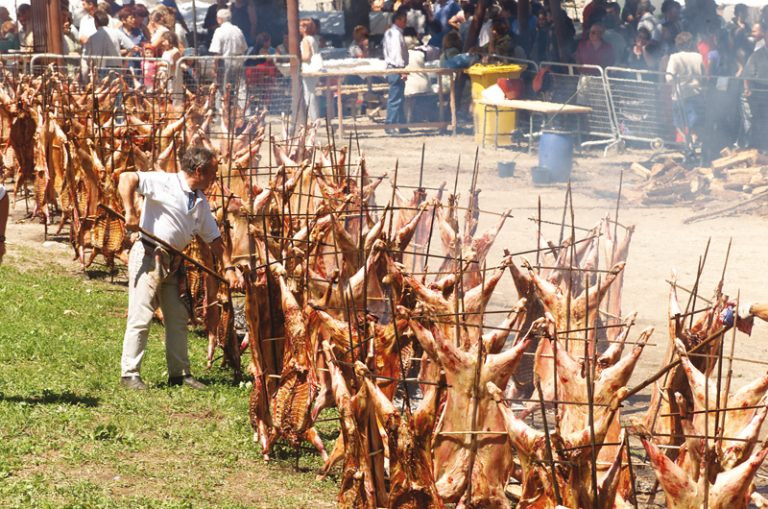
<point x="87" y="25"/>
<point x="4" y="208"/>
<point x="228" y="41"/>
<point x="174" y="210"/>
<point x="396" y="57"/>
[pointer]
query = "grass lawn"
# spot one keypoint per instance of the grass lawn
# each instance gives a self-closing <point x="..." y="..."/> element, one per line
<point x="71" y="437"/>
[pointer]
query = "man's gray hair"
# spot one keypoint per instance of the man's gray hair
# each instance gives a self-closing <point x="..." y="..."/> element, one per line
<point x="224" y="15"/>
<point x="196" y="157"/>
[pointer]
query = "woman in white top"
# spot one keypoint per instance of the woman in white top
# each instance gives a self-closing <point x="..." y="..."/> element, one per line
<point x="310" y="61"/>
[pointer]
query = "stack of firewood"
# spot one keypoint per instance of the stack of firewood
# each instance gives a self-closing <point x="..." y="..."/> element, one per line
<point x="668" y="182"/>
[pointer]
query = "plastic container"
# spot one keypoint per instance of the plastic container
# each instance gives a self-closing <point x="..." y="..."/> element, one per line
<point x="482" y="77"/>
<point x="540" y="176"/>
<point x="506" y="169"/>
<point x="556" y="154"/>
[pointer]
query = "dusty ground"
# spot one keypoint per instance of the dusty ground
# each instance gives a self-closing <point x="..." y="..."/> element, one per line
<point x="661" y="243"/>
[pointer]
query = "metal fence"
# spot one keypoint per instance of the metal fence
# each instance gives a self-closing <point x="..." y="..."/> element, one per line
<point x="15" y="64"/>
<point x="149" y="74"/>
<point x="260" y="82"/>
<point x="642" y="105"/>
<point x="582" y="85"/>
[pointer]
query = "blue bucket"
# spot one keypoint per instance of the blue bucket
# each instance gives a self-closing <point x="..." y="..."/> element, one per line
<point x="556" y="154"/>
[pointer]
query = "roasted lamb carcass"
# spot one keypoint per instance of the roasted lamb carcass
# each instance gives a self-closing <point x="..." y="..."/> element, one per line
<point x="572" y="457"/>
<point x="730" y="489"/>
<point x="455" y="453"/>
<point x="358" y="487"/>
<point x="291" y="404"/>
<point x="706" y="327"/>
<point x="411" y="480"/>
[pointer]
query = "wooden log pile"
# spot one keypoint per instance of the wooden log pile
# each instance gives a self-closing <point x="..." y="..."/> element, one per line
<point x="736" y="173"/>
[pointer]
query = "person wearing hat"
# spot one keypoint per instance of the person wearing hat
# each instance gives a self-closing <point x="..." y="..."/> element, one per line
<point x="647" y="20"/>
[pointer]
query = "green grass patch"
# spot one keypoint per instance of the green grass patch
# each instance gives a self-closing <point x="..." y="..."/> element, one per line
<point x="71" y="437"/>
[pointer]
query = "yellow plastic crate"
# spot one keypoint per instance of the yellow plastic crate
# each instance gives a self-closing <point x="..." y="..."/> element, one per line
<point x="484" y="76"/>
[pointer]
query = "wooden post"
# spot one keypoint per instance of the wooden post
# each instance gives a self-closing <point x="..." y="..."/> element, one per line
<point x="292" y="11"/>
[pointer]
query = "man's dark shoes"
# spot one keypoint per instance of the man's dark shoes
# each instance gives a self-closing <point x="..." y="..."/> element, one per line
<point x="133" y="382"/>
<point x="404" y="130"/>
<point x="187" y="380"/>
<point x="391" y="132"/>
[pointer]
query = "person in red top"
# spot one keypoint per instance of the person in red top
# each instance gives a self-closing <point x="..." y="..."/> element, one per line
<point x="595" y="50"/>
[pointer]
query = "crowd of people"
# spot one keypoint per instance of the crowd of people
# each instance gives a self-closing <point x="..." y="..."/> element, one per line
<point x="691" y="48"/>
<point x="108" y="30"/>
<point x="690" y="44"/>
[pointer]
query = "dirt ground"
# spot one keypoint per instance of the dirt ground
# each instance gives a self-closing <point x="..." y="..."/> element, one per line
<point x="662" y="242"/>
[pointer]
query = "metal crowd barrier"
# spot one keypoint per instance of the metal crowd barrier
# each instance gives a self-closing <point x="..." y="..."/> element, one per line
<point x="582" y="85"/>
<point x="15" y="63"/>
<point x="258" y="81"/>
<point x="149" y="74"/>
<point x="642" y="105"/>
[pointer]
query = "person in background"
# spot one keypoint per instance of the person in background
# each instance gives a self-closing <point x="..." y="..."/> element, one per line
<point x="543" y="38"/>
<point x="755" y="95"/>
<point x="149" y="68"/>
<point x="396" y="57"/>
<point x="629" y="13"/>
<point x="130" y="26"/>
<point x="360" y="42"/>
<point x="4" y="208"/>
<point x="158" y="25"/>
<point x="282" y="48"/>
<point x="101" y="44"/>
<point x="113" y="22"/>
<point x="502" y="44"/>
<point x="707" y="45"/>
<point x="174" y="209"/>
<point x="638" y="56"/>
<point x="646" y="19"/>
<point x="4" y="15"/>
<point x="112" y="7"/>
<point x="142" y="18"/>
<point x="593" y="12"/>
<point x="615" y="34"/>
<point x="242" y="14"/>
<point x="686" y="67"/>
<point x="169" y="47"/>
<point x="210" y="24"/>
<point x="670" y="13"/>
<point x="9" y="39"/>
<point x="442" y="13"/>
<point x="309" y="50"/>
<point x="263" y="44"/>
<point x="758" y="37"/>
<point x="178" y="18"/>
<point x="26" y="35"/>
<point x="586" y="14"/>
<point x="70" y="43"/>
<point x="228" y="40"/>
<point x="594" y="50"/>
<point x="87" y="23"/>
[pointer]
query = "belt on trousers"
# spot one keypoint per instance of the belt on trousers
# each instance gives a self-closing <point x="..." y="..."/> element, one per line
<point x="175" y="260"/>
